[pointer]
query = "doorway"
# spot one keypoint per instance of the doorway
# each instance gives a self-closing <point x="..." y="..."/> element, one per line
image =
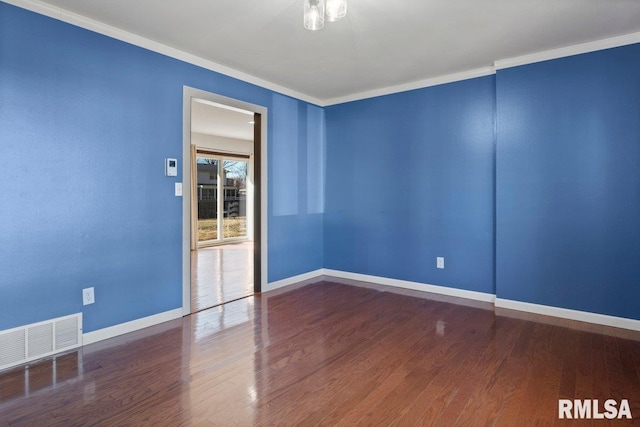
<point x="224" y="214"/>
<point x="222" y="257"/>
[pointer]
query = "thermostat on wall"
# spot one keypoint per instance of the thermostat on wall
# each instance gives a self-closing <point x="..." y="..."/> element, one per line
<point x="171" y="167"/>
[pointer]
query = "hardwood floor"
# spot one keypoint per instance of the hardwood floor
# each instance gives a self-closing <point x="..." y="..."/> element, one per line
<point x="333" y="354"/>
<point x="220" y="274"/>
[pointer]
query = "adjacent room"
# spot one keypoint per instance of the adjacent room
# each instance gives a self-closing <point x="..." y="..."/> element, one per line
<point x="320" y="212"/>
<point x="222" y="215"/>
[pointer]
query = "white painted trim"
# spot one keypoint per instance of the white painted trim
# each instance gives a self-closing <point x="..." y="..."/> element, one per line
<point x="565" y="313"/>
<point x="134" y="325"/>
<point x="442" y="290"/>
<point x="420" y="84"/>
<point x="568" y="51"/>
<point x="582" y="316"/>
<point x="272" y="286"/>
<point x="136" y="40"/>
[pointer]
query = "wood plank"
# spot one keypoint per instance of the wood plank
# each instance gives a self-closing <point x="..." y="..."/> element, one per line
<point x="332" y="354"/>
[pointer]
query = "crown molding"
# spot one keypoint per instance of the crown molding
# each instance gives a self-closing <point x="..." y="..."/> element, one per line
<point x="134" y="39"/>
<point x="566" y="51"/>
<point x="419" y="84"/>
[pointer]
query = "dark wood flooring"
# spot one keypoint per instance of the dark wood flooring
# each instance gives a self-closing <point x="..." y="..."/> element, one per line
<point x="332" y="354"/>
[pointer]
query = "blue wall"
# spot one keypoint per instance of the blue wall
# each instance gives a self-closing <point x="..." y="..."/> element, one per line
<point x="568" y="182"/>
<point x="410" y="177"/>
<point x="296" y="185"/>
<point x="381" y="186"/>
<point x="86" y="122"/>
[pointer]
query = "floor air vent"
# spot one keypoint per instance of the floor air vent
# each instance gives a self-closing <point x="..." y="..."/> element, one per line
<point x="31" y="342"/>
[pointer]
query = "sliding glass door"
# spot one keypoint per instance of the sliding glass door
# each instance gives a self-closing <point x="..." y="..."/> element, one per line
<point x="207" y="192"/>
<point x="234" y="209"/>
<point x="221" y="191"/>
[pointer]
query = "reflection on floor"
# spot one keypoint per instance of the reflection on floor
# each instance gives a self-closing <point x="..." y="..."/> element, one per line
<point x="221" y="274"/>
<point x="44" y="374"/>
<point x="333" y="354"/>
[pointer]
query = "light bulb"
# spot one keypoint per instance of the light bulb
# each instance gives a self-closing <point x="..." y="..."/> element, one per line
<point x="336" y="9"/>
<point x="313" y="14"/>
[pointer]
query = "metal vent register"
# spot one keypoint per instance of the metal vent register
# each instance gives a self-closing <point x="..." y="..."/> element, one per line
<point x="31" y="342"/>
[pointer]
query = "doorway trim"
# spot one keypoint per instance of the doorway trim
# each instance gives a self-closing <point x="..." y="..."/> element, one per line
<point x="260" y="227"/>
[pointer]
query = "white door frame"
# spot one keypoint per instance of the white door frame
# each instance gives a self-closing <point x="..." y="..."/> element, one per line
<point x="190" y="93"/>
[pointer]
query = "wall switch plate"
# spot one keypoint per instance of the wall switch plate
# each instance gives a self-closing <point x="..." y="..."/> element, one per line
<point x="88" y="297"/>
<point x="178" y="189"/>
<point x="440" y="262"/>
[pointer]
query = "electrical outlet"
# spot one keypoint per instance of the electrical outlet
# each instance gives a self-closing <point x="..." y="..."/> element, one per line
<point x="88" y="297"/>
<point x="440" y="262"/>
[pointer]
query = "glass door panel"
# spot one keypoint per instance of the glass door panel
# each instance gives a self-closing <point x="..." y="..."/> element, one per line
<point x="234" y="222"/>
<point x="207" y="193"/>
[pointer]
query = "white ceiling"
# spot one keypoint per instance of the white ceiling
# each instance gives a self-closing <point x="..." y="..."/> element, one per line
<point x="379" y="44"/>
<point x="209" y="119"/>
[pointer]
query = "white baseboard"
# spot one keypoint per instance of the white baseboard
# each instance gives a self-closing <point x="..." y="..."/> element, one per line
<point x="565" y="313"/>
<point x="134" y="325"/>
<point x="442" y="290"/>
<point x="272" y="286"/>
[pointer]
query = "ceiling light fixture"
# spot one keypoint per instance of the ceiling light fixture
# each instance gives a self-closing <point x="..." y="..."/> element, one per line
<point x="336" y="10"/>
<point x="314" y="12"/>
